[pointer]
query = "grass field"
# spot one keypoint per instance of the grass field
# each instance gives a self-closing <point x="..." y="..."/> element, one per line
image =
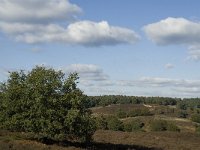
<point x="110" y="140"/>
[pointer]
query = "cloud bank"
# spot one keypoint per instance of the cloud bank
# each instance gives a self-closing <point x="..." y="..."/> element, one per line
<point x="176" y="31"/>
<point x="94" y="81"/>
<point x="36" y="21"/>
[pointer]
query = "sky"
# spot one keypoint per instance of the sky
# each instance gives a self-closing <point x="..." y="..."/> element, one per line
<point x="129" y="47"/>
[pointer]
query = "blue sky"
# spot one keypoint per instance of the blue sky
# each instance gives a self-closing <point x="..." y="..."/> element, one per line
<point x="131" y="47"/>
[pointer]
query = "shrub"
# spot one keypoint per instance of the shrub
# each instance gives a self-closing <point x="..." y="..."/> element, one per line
<point x="172" y="127"/>
<point x="121" y="114"/>
<point x="182" y="105"/>
<point x="115" y="124"/>
<point x="182" y="114"/>
<point x="163" y="125"/>
<point x="139" y="112"/>
<point x="196" y="118"/>
<point x="102" y="123"/>
<point x="158" y="125"/>
<point x="134" y="125"/>
<point x="198" y="129"/>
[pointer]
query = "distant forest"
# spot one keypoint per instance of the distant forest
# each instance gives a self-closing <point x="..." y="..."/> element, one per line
<point x="106" y="100"/>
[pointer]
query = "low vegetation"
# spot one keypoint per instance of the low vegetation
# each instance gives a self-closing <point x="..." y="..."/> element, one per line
<point x="163" y="125"/>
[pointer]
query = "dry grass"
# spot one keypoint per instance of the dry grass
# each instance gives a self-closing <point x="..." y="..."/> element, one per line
<point x="163" y="140"/>
<point x="112" y="109"/>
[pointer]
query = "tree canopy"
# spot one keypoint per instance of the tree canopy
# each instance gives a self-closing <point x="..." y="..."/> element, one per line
<point x="47" y="103"/>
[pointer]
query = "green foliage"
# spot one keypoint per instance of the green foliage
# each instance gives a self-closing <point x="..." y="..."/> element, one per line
<point x="46" y="103"/>
<point x="158" y="125"/>
<point x="121" y="114"/>
<point x="139" y="112"/>
<point x="120" y="99"/>
<point x="134" y="125"/>
<point x="196" y="118"/>
<point x="182" y="114"/>
<point x="115" y="124"/>
<point x="102" y="123"/>
<point x="182" y="105"/>
<point x="163" y="125"/>
<point x="198" y="129"/>
<point x="172" y="127"/>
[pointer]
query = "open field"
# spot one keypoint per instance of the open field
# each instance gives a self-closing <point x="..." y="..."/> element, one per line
<point x="163" y="140"/>
<point x="111" y="140"/>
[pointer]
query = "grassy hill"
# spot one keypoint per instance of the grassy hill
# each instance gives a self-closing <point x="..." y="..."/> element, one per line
<point x="145" y="139"/>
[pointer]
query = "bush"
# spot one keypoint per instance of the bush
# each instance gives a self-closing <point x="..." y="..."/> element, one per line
<point x="134" y="125"/>
<point x="163" y="125"/>
<point x="115" y="124"/>
<point x="158" y="125"/>
<point x="182" y="105"/>
<point x="198" y="129"/>
<point x="139" y="112"/>
<point x="172" y="127"/>
<point x="182" y="114"/>
<point x="102" y="123"/>
<point x="121" y="114"/>
<point x="196" y="118"/>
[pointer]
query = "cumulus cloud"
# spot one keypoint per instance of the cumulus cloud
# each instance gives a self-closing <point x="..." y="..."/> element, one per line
<point x="36" y="21"/>
<point x="173" y="31"/>
<point x="35" y="11"/>
<point x="87" y="72"/>
<point x="86" y="33"/>
<point x="169" y="66"/>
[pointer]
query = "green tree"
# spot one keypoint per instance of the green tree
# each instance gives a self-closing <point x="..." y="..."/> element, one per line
<point x="45" y="102"/>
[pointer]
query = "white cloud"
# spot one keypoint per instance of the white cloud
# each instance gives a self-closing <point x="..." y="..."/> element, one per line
<point x="36" y="21"/>
<point x="173" y="31"/>
<point x="86" y="33"/>
<point x="186" y="90"/>
<point x="160" y="82"/>
<point x="194" y="52"/>
<point x="87" y="72"/>
<point x="169" y="66"/>
<point x="35" y="11"/>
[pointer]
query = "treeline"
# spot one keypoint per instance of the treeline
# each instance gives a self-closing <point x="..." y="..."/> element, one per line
<point x="120" y="99"/>
<point x="105" y="100"/>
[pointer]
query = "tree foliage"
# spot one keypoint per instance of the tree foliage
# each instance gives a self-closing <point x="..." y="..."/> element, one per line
<point x="47" y="103"/>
